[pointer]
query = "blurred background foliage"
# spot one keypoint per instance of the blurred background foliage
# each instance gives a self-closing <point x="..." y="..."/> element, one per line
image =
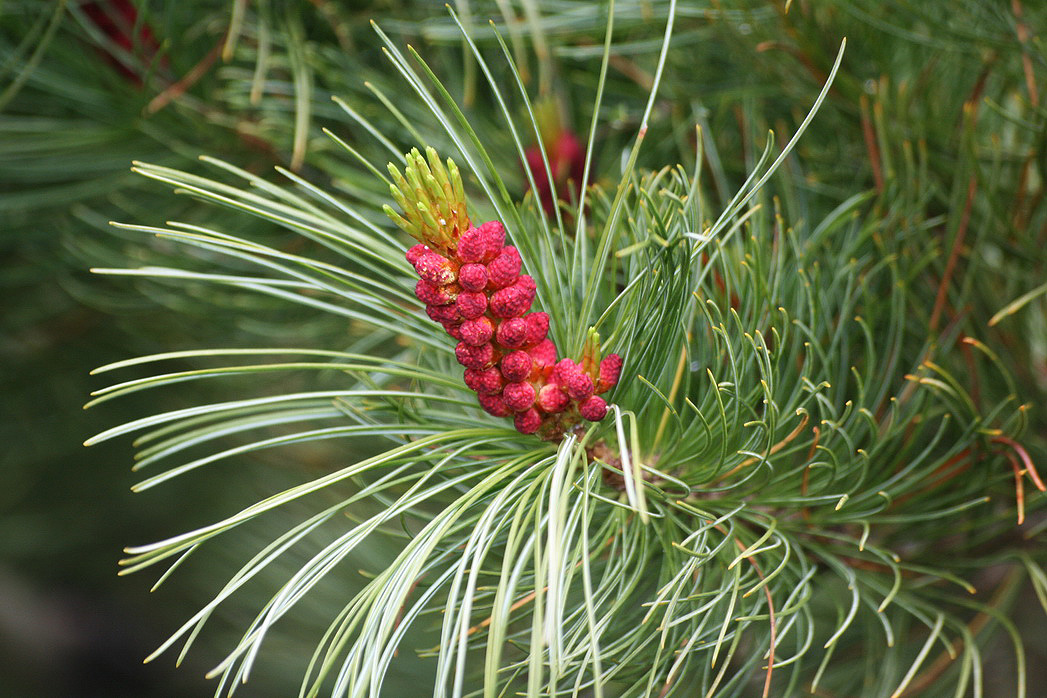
<point x="937" y="116"/>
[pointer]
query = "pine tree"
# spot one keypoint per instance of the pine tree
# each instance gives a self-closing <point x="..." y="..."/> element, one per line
<point x="816" y="471"/>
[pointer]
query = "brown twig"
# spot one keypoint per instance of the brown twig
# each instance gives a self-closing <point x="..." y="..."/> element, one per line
<point x="774" y="449"/>
<point x="944" y="473"/>
<point x="954" y="255"/>
<point x="177" y="89"/>
<point x="1022" y="29"/>
<point x="770" y="611"/>
<point x="871" y="146"/>
<point x="522" y="601"/>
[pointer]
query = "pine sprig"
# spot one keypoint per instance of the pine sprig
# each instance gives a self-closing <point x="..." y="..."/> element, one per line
<point x="771" y="506"/>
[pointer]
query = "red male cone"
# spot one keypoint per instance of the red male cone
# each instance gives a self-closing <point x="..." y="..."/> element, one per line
<point x="470" y="282"/>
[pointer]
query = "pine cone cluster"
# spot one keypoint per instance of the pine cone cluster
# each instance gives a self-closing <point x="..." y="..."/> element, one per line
<point x="470" y="282"/>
